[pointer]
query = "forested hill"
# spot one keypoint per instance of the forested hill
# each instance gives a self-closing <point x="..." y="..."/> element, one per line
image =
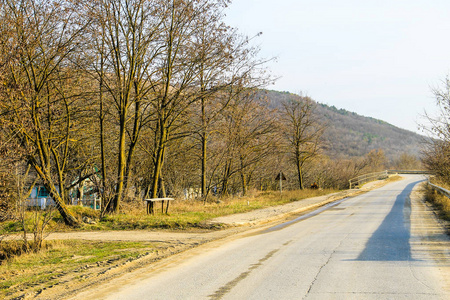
<point x="350" y="135"/>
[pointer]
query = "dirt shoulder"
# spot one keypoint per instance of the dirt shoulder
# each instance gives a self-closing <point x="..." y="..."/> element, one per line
<point x="429" y="234"/>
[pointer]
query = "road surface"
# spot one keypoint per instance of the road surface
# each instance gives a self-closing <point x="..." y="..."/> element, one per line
<point x="368" y="247"/>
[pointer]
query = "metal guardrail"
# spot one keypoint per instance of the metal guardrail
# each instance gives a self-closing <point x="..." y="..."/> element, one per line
<point x="441" y="190"/>
<point x="409" y="172"/>
<point x="358" y="181"/>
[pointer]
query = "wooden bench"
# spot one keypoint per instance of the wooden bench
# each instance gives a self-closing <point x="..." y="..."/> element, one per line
<point x="151" y="201"/>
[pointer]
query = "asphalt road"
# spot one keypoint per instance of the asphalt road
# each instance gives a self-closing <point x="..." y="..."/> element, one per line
<point x="362" y="248"/>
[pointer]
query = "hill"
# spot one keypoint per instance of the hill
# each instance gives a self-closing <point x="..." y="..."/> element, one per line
<point x="351" y="135"/>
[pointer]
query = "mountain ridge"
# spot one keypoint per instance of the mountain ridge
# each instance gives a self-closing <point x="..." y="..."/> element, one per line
<point x="349" y="134"/>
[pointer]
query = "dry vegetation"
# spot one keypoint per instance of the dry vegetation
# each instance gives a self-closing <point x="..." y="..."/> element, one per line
<point x="64" y="261"/>
<point x="183" y="214"/>
<point x="436" y="156"/>
<point x="439" y="201"/>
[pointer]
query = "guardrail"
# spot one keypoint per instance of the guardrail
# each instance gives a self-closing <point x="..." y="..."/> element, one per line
<point x="441" y="190"/>
<point x="409" y="172"/>
<point x="357" y="181"/>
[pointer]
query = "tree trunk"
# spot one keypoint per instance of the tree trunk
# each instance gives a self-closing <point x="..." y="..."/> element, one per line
<point x="204" y="161"/>
<point x="203" y="141"/>
<point x="134" y="140"/>
<point x="159" y="159"/>
<point x="69" y="219"/>
<point x="300" y="175"/>
<point x="114" y="207"/>
<point x="225" y="179"/>
<point x="244" y="183"/>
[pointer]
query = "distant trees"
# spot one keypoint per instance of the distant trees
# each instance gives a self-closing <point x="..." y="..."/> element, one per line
<point x="374" y="161"/>
<point x="302" y="130"/>
<point x="407" y="162"/>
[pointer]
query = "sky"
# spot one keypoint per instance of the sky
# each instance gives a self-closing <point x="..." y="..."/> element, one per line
<point x="378" y="58"/>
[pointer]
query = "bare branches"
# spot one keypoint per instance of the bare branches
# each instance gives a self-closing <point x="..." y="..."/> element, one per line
<point x="106" y="87"/>
<point x="302" y="130"/>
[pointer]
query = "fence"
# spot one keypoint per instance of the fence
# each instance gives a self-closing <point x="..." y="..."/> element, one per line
<point x="92" y="202"/>
<point x="358" y="181"/>
<point x="43" y="203"/>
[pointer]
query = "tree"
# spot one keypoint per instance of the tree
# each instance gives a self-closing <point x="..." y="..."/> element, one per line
<point x="124" y="45"/>
<point x="437" y="151"/>
<point x="302" y="131"/>
<point x="436" y="158"/>
<point x="178" y="72"/>
<point x="375" y="161"/>
<point x="407" y="161"/>
<point x="227" y="64"/>
<point x="253" y="134"/>
<point x="37" y="87"/>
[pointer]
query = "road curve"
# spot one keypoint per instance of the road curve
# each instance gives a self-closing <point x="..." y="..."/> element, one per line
<point x="367" y="247"/>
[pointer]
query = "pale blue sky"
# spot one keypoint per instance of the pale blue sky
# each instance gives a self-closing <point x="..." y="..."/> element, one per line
<point x="377" y="58"/>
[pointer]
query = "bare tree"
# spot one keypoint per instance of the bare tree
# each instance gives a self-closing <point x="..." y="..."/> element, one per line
<point x="37" y="99"/>
<point x="407" y="161"/>
<point x="437" y="147"/>
<point x="124" y="44"/>
<point x="226" y="63"/>
<point x="302" y="130"/>
<point x="375" y="161"/>
<point x="177" y="73"/>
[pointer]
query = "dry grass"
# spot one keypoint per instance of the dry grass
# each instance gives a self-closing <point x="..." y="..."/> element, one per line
<point x="394" y="178"/>
<point x="183" y="214"/>
<point x="441" y="202"/>
<point x="63" y="261"/>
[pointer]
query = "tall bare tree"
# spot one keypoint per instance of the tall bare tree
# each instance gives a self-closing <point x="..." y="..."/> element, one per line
<point x="302" y="130"/>
<point x="177" y="71"/>
<point x="226" y="62"/>
<point x="125" y="40"/>
<point x="39" y="94"/>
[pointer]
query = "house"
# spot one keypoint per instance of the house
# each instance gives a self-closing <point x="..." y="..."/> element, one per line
<point x="40" y="197"/>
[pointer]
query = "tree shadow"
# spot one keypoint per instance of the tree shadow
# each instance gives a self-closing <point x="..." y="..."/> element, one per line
<point x="390" y="242"/>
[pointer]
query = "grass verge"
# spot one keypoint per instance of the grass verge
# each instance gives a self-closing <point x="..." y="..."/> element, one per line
<point x="183" y="214"/>
<point x="64" y="261"/>
<point x="189" y="214"/>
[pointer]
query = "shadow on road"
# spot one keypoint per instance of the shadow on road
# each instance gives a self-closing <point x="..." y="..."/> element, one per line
<point x="390" y="242"/>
